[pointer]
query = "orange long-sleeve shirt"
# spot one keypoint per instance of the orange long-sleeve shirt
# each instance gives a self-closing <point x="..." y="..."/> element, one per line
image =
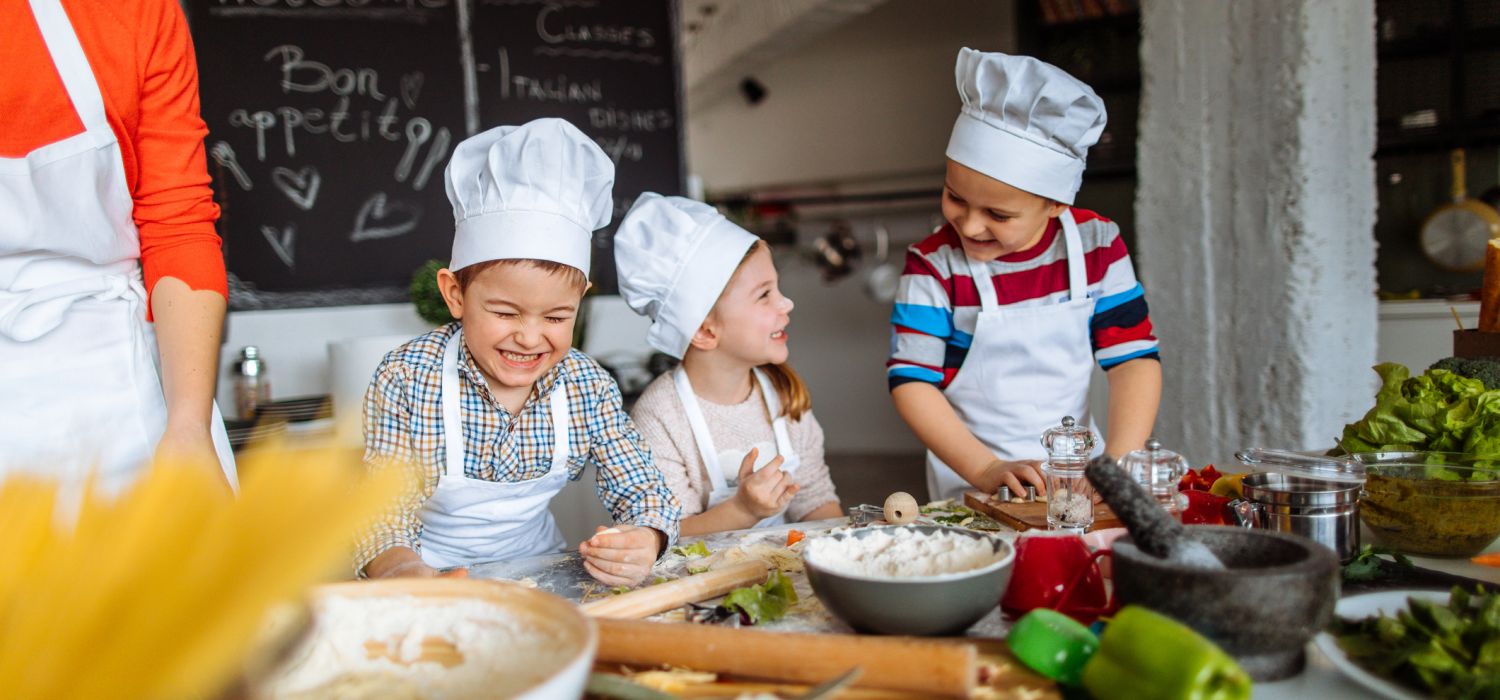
<point x="142" y="57"/>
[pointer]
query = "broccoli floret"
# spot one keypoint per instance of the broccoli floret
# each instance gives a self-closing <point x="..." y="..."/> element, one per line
<point x="1485" y="369"/>
<point x="1451" y="364"/>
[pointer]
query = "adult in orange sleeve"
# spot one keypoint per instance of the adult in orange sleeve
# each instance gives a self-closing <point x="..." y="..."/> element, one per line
<point x="112" y="284"/>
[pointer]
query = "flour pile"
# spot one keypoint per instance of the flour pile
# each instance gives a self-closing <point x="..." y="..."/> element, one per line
<point x="902" y="553"/>
<point x="409" y="647"/>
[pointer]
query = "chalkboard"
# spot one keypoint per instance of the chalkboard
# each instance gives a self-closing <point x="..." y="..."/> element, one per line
<point x="331" y="121"/>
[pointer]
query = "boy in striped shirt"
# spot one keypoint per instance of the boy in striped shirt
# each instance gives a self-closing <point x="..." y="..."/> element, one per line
<point x="1003" y="311"/>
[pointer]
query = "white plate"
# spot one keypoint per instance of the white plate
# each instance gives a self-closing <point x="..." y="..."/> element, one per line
<point x="1367" y="605"/>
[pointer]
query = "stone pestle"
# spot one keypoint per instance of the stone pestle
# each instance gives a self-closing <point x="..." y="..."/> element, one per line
<point x="1152" y="529"/>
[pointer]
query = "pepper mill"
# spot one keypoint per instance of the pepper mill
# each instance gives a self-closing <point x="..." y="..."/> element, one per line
<point x="1070" y="497"/>
<point x="252" y="388"/>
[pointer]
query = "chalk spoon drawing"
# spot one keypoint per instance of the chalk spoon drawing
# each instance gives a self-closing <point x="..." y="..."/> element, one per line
<point x="223" y="154"/>
<point x="384" y="218"/>
<point x="300" y="186"/>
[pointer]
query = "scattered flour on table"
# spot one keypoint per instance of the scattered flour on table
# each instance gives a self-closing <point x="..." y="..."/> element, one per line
<point x="901" y="553"/>
<point x="403" y="647"/>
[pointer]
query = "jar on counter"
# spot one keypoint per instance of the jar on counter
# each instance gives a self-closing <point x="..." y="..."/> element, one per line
<point x="1158" y="470"/>
<point x="252" y="386"/>
<point x="1070" y="496"/>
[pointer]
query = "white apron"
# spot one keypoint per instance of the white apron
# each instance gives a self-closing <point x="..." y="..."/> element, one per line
<point x="715" y="461"/>
<point x="78" y="362"/>
<point x="1027" y="368"/>
<point x="472" y="521"/>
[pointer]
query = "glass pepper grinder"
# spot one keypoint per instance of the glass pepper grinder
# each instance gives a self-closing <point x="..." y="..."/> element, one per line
<point x="252" y="388"/>
<point x="1158" y="470"/>
<point x="1070" y="496"/>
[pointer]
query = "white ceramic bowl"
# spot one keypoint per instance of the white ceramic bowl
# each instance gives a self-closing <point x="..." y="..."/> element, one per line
<point x="390" y="638"/>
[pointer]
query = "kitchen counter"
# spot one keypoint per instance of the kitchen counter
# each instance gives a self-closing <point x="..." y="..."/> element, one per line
<point x="563" y="574"/>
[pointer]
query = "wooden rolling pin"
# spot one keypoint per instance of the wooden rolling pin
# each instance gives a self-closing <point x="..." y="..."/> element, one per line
<point x="892" y="663"/>
<point x="674" y="594"/>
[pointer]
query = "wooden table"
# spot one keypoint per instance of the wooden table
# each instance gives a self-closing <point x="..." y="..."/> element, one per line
<point x="564" y="575"/>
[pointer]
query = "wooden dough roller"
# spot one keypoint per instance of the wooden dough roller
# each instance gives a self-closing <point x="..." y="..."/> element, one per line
<point x="662" y="597"/>
<point x="894" y="663"/>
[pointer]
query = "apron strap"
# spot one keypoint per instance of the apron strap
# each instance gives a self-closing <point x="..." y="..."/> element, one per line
<point x="453" y="431"/>
<point x="1078" y="286"/>
<point x="560" y="445"/>
<point x="702" y="439"/>
<point x="980" y="273"/>
<point x="778" y="419"/>
<point x="1078" y="280"/>
<point x="31" y="314"/>
<point x="73" y="67"/>
<point x="453" y="427"/>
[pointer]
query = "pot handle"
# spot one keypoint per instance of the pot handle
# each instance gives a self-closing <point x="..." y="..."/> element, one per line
<point x="1243" y="511"/>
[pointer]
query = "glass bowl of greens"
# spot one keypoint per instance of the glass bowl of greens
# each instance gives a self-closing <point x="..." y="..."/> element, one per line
<point x="1442" y="504"/>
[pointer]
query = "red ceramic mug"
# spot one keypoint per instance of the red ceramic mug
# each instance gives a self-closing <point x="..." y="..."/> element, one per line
<point x="1057" y="571"/>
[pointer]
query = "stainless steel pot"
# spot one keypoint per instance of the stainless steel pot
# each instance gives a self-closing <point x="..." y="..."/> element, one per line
<point x="1326" y="512"/>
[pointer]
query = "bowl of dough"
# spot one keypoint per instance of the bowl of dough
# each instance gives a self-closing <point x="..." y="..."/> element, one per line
<point x="436" y="638"/>
<point x="909" y="579"/>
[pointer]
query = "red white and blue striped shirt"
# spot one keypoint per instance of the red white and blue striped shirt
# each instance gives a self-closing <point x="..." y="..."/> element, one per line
<point x="937" y="306"/>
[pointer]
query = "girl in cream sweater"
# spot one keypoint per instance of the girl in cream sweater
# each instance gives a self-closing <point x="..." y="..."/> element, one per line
<point x="732" y="428"/>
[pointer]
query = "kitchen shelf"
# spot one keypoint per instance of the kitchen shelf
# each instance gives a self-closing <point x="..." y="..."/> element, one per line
<point x="1439" y="139"/>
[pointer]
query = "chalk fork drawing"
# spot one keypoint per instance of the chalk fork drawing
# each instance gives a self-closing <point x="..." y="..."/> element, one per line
<point x="435" y="155"/>
<point x="281" y="242"/>
<point x="383" y="218"/>
<point x="300" y="186"/>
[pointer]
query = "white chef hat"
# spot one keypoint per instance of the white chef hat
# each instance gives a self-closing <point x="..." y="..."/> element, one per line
<point x="535" y="191"/>
<point x="674" y="256"/>
<point x="1024" y="122"/>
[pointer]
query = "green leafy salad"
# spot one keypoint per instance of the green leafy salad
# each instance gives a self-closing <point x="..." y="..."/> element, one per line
<point x="1437" y="410"/>
<point x="1447" y="651"/>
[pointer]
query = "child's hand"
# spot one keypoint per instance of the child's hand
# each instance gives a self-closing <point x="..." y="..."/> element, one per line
<point x="1013" y="474"/>
<point x="406" y="564"/>
<point x="766" y="492"/>
<point x="620" y="555"/>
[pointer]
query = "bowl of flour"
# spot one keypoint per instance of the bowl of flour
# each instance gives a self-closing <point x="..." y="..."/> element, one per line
<point x="909" y="579"/>
<point x="437" y="639"/>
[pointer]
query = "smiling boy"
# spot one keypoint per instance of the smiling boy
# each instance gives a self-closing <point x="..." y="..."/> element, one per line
<point x="494" y="414"/>
<point x="1003" y="313"/>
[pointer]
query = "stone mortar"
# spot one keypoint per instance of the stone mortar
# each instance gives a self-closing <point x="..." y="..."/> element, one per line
<point x="1278" y="591"/>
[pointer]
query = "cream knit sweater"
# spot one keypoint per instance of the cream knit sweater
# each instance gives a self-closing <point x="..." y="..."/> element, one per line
<point x="661" y="419"/>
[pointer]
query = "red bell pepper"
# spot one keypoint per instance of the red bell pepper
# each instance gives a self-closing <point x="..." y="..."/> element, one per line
<point x="1204" y="508"/>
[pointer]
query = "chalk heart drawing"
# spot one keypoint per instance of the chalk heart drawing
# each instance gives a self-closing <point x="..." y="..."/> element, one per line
<point x="281" y="242"/>
<point x="411" y="88"/>
<point x="381" y="218"/>
<point x="300" y="186"/>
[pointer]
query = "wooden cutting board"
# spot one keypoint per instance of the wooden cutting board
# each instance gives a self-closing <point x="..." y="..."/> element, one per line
<point x="1033" y="514"/>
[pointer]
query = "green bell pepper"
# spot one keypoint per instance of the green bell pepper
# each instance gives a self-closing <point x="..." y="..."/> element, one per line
<point x="1147" y="656"/>
<point x="1052" y="644"/>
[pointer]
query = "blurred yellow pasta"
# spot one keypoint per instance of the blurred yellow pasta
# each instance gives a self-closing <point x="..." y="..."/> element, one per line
<point x="160" y="592"/>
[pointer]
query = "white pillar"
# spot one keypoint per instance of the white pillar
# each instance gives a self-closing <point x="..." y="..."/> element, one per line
<point x="1255" y="216"/>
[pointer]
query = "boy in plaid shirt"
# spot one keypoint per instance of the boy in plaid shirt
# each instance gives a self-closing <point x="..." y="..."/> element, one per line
<point x="493" y="414"/>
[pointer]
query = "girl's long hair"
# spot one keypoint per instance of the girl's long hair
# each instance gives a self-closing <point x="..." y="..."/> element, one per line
<point x="795" y="398"/>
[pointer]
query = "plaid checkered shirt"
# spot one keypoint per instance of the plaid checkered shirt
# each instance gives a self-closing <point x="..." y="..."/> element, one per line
<point x="403" y="420"/>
